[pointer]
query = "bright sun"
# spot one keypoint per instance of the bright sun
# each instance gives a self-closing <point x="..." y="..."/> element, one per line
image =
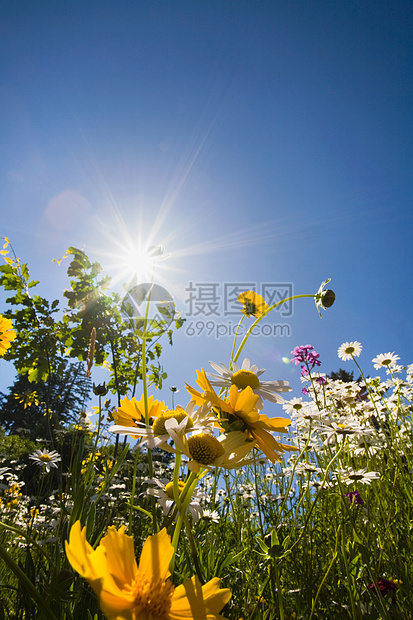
<point x="140" y="261"/>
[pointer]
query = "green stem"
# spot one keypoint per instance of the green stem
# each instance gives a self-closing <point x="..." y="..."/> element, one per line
<point x="366" y="384"/>
<point x="145" y="400"/>
<point x="258" y="498"/>
<point x="184" y="501"/>
<point x="194" y="550"/>
<point x="348" y="576"/>
<point x="235" y="340"/>
<point x="315" y="500"/>
<point x="279" y="590"/>
<point x="264" y="314"/>
<point x="177" y="467"/>
<point x="23" y="534"/>
<point x="132" y="495"/>
<point x="27" y="584"/>
<point x="88" y="476"/>
<point x="330" y="566"/>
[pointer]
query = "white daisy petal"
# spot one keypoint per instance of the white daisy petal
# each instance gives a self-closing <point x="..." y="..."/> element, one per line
<point x="248" y="375"/>
<point x="348" y="350"/>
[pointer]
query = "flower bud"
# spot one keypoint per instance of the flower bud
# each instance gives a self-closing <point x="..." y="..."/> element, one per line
<point x="100" y="390"/>
<point x="328" y="298"/>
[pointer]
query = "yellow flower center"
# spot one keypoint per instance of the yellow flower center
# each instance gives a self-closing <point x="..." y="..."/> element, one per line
<point x="46" y="458"/>
<point x="169" y="488"/>
<point x="178" y="414"/>
<point x="152" y="598"/>
<point x="245" y="378"/>
<point x="250" y="308"/>
<point x="205" y="448"/>
<point x="349" y="350"/>
<point x="254" y="304"/>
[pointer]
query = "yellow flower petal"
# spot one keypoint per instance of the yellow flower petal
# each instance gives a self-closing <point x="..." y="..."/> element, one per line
<point x="119" y="549"/>
<point x="243" y="403"/>
<point x="7" y="334"/>
<point x="127" y="592"/>
<point x="204" y="384"/>
<point x="131" y="410"/>
<point x="273" y="424"/>
<point x="79" y="552"/>
<point x="193" y="601"/>
<point x="156" y="556"/>
<point x="270" y="446"/>
<point x="254" y="304"/>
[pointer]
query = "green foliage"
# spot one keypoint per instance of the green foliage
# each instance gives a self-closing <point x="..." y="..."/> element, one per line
<point x="13" y="447"/>
<point x="342" y="375"/>
<point x="118" y="338"/>
<point x="39" y="348"/>
<point x="292" y="540"/>
<point x="47" y="337"/>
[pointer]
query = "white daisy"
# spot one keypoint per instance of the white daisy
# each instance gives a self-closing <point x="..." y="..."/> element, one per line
<point x="307" y="468"/>
<point x="45" y="458"/>
<point x="337" y="431"/>
<point x="204" y="450"/>
<point x="211" y="515"/>
<point x="156" y="435"/>
<point x="360" y="476"/>
<point x="366" y="445"/>
<point x="165" y="495"/>
<point x="247" y="375"/>
<point x="385" y="360"/>
<point x="349" y="350"/>
<point x="293" y="405"/>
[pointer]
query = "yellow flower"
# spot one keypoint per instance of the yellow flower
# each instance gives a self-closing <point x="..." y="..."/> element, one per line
<point x="254" y="304"/>
<point x="27" y="399"/>
<point x="127" y="591"/>
<point x="239" y="411"/>
<point x="204" y="384"/>
<point x="7" y="334"/>
<point x="132" y="410"/>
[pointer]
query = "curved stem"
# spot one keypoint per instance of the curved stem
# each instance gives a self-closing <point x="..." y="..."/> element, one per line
<point x="193" y="550"/>
<point x="184" y="500"/>
<point x="235" y="340"/>
<point x="264" y="314"/>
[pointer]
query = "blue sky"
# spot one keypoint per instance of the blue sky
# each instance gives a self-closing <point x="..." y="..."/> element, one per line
<point x="266" y="142"/>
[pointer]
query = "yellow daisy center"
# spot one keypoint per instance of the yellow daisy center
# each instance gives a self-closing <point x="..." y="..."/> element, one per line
<point x="205" y="448"/>
<point x="46" y="458"/>
<point x="153" y="598"/>
<point x="245" y="378"/>
<point x="349" y="350"/>
<point x="169" y="488"/>
<point x="178" y="414"/>
<point x="250" y="308"/>
<point x="356" y="476"/>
